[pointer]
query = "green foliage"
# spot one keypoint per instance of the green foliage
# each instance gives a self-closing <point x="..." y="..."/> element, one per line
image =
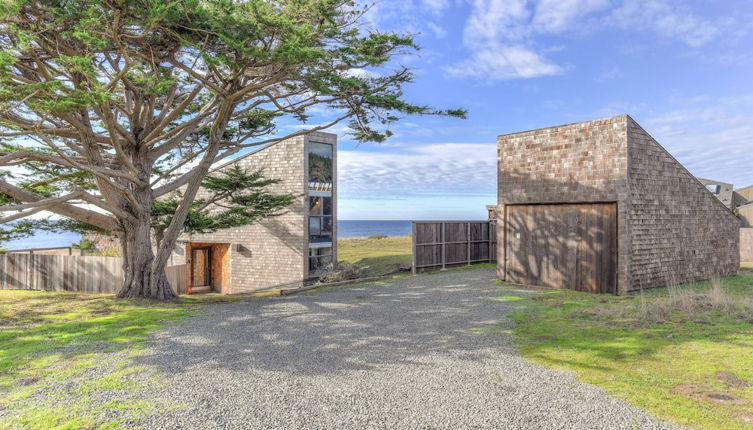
<point x="84" y="245"/>
<point x="119" y="104"/>
<point x="235" y="198"/>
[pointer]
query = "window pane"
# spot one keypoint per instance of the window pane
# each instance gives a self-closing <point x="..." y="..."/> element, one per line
<point x="320" y="166"/>
<point x="323" y="251"/>
<point x="326" y="205"/>
<point x="315" y="226"/>
<point x="315" y="205"/>
<point x="327" y="225"/>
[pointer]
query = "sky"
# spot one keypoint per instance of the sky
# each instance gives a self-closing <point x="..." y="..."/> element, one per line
<point x="682" y="69"/>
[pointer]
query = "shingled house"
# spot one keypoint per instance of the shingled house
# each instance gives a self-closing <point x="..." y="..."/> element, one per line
<point x="722" y="190"/>
<point x="601" y="206"/>
<point x="281" y="251"/>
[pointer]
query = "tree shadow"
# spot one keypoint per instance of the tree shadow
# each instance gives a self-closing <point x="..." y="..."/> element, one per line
<point x="353" y="328"/>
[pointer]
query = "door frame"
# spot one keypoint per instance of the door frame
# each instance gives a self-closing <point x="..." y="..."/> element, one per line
<point x="207" y="268"/>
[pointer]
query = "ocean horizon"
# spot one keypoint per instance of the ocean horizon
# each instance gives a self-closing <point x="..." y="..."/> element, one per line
<point x="345" y="229"/>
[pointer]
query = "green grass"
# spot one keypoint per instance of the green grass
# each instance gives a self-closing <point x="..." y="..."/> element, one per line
<point x="48" y="337"/>
<point x="668" y="367"/>
<point x="382" y="256"/>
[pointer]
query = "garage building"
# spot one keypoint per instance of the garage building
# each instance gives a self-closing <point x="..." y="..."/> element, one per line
<point x="600" y="206"/>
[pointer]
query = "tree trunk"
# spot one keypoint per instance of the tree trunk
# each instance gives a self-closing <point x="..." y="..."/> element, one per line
<point x="138" y="264"/>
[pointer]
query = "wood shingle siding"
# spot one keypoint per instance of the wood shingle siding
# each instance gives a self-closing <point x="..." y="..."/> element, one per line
<point x="669" y="228"/>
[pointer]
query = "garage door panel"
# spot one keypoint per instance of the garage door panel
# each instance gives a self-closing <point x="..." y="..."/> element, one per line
<point x="563" y="246"/>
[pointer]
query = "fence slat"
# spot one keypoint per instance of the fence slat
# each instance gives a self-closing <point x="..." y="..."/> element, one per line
<point x="73" y="273"/>
<point x="445" y="244"/>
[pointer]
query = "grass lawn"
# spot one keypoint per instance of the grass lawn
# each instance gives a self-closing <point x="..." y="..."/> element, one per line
<point x="49" y="341"/>
<point x="696" y="369"/>
<point x="383" y="256"/>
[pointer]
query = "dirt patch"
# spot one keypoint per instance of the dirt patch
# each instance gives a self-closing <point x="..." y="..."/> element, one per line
<point x="732" y="380"/>
<point x="725" y="399"/>
<point x="27" y="380"/>
<point x="703" y="392"/>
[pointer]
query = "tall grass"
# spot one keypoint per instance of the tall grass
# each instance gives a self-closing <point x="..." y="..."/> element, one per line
<point x="687" y="303"/>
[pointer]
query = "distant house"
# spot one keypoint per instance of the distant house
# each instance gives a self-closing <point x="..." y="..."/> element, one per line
<point x="742" y="196"/>
<point x="722" y="190"/>
<point x="491" y="211"/>
<point x="601" y="206"/>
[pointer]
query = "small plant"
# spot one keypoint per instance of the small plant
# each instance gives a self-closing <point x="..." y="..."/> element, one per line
<point x="378" y="236"/>
<point x="85" y="246"/>
<point x="344" y="271"/>
<point x="111" y="252"/>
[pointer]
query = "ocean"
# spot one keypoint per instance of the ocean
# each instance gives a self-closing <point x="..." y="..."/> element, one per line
<point x="359" y="228"/>
<point x="345" y="228"/>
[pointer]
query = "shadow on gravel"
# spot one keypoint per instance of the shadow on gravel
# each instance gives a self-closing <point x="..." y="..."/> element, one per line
<point x="349" y="328"/>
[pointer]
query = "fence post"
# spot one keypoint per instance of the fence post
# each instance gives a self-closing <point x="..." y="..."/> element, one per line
<point x="468" y="242"/>
<point x="413" y="241"/>
<point x="444" y="244"/>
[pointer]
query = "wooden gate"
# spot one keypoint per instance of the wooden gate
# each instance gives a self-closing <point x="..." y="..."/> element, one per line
<point x="563" y="246"/>
<point x="444" y="244"/>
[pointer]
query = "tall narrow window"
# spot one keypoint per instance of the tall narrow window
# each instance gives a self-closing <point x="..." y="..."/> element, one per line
<point x="320" y="167"/>
<point x="320" y="207"/>
<point x="320" y="219"/>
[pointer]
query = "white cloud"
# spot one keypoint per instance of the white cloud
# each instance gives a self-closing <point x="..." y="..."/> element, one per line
<point x="501" y="35"/>
<point x="498" y="62"/>
<point x="711" y="137"/>
<point x="443" y="168"/>
<point x="668" y="19"/>
<point x="559" y="15"/>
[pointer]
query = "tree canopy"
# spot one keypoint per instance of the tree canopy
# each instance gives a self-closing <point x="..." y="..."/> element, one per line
<point x="107" y="107"/>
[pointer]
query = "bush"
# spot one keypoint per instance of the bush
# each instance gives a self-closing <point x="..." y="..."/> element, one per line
<point x="378" y="236"/>
<point x="345" y="271"/>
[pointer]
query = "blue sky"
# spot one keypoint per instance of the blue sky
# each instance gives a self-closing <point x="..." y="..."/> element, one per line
<point x="682" y="69"/>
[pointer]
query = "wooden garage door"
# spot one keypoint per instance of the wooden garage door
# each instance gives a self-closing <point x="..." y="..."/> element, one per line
<point x="563" y="246"/>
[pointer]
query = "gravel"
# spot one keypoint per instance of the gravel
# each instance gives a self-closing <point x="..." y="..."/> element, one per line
<point x="427" y="352"/>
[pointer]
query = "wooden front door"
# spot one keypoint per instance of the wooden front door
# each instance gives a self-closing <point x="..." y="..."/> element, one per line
<point x="201" y="267"/>
<point x="563" y="246"/>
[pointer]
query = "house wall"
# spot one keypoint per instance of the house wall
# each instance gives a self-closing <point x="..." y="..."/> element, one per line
<point x="744" y="195"/>
<point x="679" y="231"/>
<point x="725" y="194"/>
<point x="272" y="252"/>
<point x="746" y="244"/>
<point x="575" y="163"/>
<point x="746" y="215"/>
<point x="671" y="229"/>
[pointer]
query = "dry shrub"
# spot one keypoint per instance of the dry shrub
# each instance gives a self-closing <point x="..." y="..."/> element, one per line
<point x="344" y="271"/>
<point x="692" y="304"/>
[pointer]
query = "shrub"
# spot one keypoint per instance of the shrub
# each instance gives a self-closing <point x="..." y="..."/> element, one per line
<point x="344" y="271"/>
<point x="378" y="236"/>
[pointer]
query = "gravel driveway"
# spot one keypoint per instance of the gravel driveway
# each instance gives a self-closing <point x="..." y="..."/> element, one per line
<point x="426" y="352"/>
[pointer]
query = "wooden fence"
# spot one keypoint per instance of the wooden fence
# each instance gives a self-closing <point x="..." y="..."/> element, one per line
<point x="445" y="244"/>
<point x="72" y="273"/>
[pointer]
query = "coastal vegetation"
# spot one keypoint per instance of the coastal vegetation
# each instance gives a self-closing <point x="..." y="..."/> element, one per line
<point x="682" y="353"/>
